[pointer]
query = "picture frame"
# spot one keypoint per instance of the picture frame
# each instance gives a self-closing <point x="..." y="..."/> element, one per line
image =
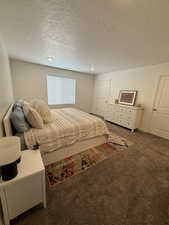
<point x="127" y="97"/>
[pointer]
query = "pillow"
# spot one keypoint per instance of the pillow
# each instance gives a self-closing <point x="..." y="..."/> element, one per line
<point x="32" y="116"/>
<point x="18" y="119"/>
<point x="42" y="108"/>
<point x="22" y="141"/>
<point x="18" y="103"/>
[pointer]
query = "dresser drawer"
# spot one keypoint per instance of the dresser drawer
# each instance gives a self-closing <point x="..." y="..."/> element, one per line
<point x="121" y="110"/>
<point x="126" y="110"/>
<point x="126" y="117"/>
<point x="131" y="112"/>
<point x="128" y="124"/>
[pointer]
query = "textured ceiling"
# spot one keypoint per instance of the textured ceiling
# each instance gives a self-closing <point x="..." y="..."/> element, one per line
<point x="106" y="35"/>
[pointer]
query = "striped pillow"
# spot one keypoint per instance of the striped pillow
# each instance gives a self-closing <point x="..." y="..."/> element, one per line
<point x="33" y="116"/>
<point x="42" y="108"/>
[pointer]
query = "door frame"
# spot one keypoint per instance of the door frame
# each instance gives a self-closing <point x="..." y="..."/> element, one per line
<point x="154" y="100"/>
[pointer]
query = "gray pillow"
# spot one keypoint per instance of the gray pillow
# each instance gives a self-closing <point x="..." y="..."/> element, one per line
<point x="18" y="119"/>
<point x="22" y="141"/>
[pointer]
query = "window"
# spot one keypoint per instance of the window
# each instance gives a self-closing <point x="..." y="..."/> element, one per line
<point x="60" y="90"/>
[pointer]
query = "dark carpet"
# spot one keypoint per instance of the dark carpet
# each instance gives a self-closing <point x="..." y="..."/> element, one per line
<point x="130" y="188"/>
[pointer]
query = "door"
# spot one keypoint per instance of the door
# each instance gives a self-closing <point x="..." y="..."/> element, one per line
<point x="101" y="97"/>
<point x="160" y="114"/>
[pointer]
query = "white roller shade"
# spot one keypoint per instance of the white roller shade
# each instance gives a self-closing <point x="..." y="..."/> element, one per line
<point x="61" y="90"/>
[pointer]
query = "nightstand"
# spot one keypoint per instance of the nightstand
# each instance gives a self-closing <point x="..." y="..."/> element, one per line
<point x="27" y="189"/>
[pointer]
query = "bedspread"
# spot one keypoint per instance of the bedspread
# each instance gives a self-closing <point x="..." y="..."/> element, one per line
<point x="68" y="126"/>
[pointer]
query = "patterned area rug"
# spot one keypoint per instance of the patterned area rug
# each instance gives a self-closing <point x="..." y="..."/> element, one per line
<point x="119" y="141"/>
<point x="60" y="171"/>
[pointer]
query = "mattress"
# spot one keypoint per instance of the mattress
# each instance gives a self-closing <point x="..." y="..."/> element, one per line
<point x="68" y="126"/>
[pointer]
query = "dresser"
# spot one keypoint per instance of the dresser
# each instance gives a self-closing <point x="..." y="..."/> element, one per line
<point x="126" y="116"/>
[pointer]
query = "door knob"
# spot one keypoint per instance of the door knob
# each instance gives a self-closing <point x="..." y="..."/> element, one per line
<point x="154" y="109"/>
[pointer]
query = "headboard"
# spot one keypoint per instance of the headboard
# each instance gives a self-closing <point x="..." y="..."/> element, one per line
<point x="7" y="122"/>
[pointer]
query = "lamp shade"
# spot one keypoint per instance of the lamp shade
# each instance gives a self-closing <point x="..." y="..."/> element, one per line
<point x="10" y="150"/>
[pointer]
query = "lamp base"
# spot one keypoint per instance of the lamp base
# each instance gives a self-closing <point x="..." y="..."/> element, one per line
<point x="9" y="171"/>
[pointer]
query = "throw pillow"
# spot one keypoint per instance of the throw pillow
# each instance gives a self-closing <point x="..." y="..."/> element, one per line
<point x="33" y="116"/>
<point x="18" y="119"/>
<point x="42" y="108"/>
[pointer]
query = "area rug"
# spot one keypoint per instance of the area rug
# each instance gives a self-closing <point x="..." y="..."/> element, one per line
<point x="119" y="141"/>
<point x="60" y="171"/>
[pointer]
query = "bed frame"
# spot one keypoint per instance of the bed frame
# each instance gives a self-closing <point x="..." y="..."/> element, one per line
<point x="61" y="153"/>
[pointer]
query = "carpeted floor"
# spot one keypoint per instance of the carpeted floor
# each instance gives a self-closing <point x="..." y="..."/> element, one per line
<point x="130" y="188"/>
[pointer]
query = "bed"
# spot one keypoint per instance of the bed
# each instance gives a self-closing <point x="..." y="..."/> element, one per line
<point x="93" y="133"/>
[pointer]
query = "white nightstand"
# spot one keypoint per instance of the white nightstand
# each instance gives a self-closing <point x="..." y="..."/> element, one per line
<point x="27" y="189"/>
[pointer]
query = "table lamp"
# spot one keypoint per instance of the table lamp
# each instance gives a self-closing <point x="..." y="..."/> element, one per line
<point x="10" y="152"/>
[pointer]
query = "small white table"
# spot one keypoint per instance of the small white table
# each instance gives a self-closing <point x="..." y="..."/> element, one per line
<point x="27" y="189"/>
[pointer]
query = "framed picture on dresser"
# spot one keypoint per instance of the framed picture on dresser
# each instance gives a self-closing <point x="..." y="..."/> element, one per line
<point x="127" y="97"/>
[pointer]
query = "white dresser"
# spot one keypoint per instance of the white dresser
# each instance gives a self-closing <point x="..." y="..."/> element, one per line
<point x="126" y="116"/>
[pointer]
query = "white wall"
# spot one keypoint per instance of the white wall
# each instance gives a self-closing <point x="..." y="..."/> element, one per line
<point x="29" y="81"/>
<point x="143" y="79"/>
<point x="6" y="92"/>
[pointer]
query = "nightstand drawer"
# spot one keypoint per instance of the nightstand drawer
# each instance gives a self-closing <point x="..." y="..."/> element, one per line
<point x="24" y="194"/>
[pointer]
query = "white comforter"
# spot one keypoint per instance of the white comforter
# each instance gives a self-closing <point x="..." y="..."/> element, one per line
<point x="68" y="126"/>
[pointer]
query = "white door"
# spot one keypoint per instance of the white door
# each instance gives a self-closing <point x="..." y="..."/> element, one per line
<point x="160" y="115"/>
<point x="101" y="96"/>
